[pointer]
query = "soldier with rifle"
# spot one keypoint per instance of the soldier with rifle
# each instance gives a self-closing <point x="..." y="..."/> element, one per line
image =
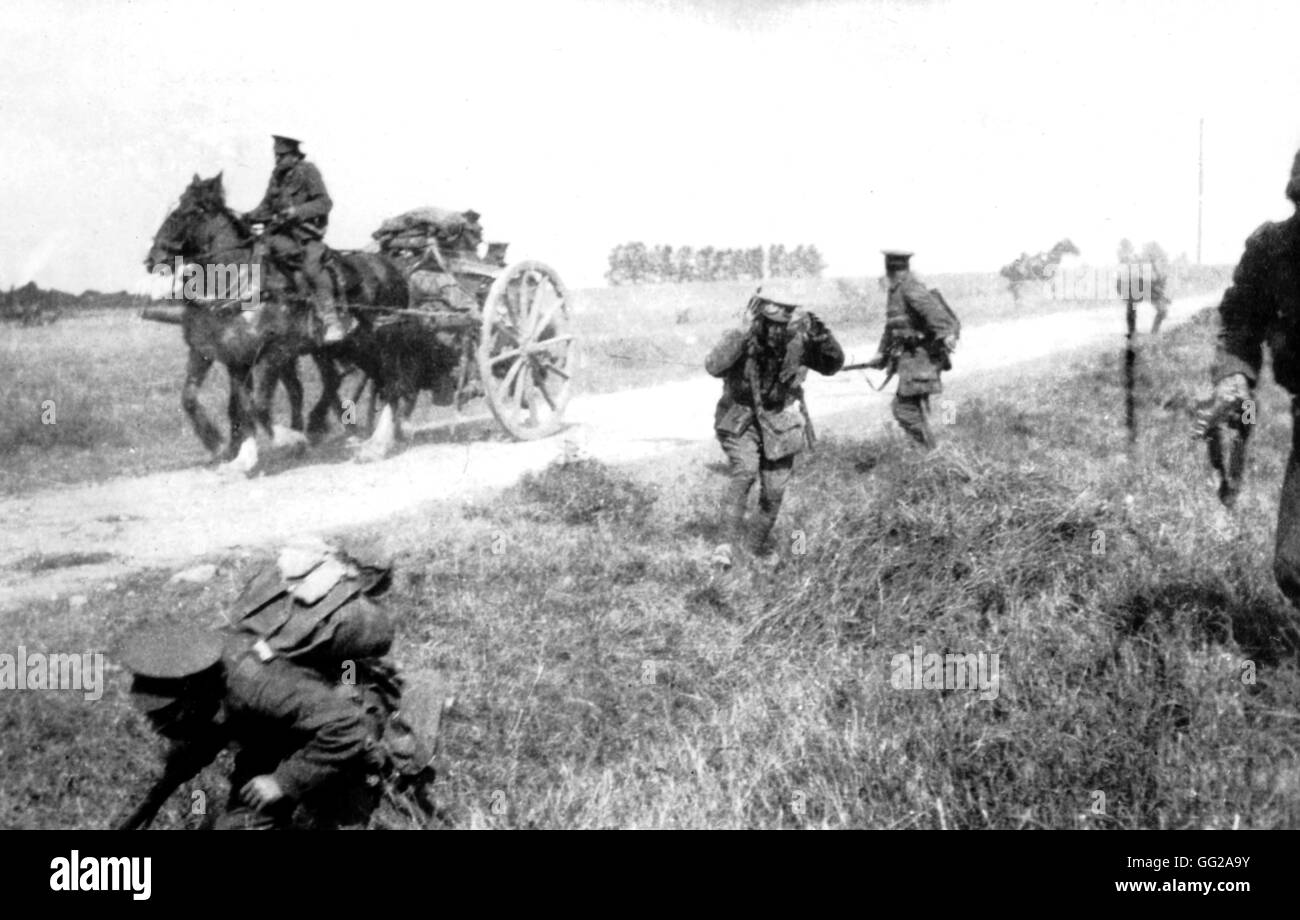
<point x="919" y="335"/>
<point x="1262" y="305"/>
<point x="761" y="420"/>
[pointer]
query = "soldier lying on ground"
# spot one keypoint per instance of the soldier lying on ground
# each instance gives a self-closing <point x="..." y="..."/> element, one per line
<point x="316" y="745"/>
<point x="761" y="420"/>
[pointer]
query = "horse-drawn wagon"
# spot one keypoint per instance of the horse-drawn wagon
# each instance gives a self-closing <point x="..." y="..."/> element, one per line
<point x="507" y="323"/>
<point x="432" y="315"/>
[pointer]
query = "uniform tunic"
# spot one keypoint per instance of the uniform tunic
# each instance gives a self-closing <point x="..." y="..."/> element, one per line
<point x="288" y="721"/>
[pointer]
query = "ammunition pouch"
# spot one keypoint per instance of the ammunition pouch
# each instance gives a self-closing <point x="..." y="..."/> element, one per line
<point x="732" y="419"/>
<point x="783" y="431"/>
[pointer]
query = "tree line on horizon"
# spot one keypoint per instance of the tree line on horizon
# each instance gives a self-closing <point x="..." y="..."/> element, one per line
<point x="31" y="304"/>
<point x="637" y="263"/>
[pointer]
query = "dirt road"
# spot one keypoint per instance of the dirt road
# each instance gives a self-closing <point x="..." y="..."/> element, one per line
<point x="171" y="519"/>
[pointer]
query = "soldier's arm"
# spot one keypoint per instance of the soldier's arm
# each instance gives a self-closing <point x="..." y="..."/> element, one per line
<point x="266" y="208"/>
<point x="726" y="353"/>
<point x="336" y="733"/>
<point x="316" y="201"/>
<point x="1245" y="312"/>
<point x="935" y="317"/>
<point x="822" y="352"/>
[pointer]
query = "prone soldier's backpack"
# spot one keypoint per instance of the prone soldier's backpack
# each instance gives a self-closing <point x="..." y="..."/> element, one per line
<point x="316" y="606"/>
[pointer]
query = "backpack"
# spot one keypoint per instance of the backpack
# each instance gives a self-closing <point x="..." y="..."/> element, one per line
<point x="940" y="351"/>
<point x="316" y="607"/>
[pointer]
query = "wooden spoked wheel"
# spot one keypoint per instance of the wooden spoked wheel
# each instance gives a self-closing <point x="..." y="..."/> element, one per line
<point x="526" y="353"/>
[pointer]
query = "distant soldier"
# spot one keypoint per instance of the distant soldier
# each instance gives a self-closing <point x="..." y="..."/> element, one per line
<point x="761" y="420"/>
<point x="918" y="334"/>
<point x="1153" y="255"/>
<point x="313" y="750"/>
<point x="296" y="209"/>
<point x="1262" y="305"/>
<point x="471" y="237"/>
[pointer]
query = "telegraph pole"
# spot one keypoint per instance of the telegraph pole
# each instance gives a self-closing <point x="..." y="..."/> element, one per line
<point x="1200" y="186"/>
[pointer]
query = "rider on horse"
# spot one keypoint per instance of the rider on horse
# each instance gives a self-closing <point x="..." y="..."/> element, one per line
<point x="296" y="208"/>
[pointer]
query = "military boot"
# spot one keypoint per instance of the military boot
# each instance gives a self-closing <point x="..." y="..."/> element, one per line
<point x="328" y="313"/>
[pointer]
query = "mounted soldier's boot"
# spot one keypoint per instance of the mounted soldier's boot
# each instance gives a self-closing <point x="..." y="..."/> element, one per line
<point x="327" y="309"/>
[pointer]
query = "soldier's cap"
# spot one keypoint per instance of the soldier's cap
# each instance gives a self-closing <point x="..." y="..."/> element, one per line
<point x="776" y="300"/>
<point x="896" y="258"/>
<point x="170" y="662"/>
<point x="286" y="144"/>
<point x="472" y="215"/>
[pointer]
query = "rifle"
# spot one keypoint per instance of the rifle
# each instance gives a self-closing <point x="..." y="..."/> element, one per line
<point x="889" y="365"/>
<point x="1225" y="430"/>
<point x="810" y="432"/>
<point x="183" y="764"/>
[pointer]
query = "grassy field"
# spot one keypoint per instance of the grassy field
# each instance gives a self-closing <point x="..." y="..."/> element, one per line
<point x="608" y="676"/>
<point x="113" y="381"/>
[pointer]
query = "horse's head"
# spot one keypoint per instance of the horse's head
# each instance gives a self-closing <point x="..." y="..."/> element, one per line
<point x="196" y="224"/>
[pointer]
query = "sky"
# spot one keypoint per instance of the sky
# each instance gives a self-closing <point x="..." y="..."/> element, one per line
<point x="967" y="132"/>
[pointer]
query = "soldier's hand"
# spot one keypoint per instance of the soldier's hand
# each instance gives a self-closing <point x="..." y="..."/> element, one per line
<point x="950" y="343"/>
<point x="290" y="212"/>
<point x="1225" y="404"/>
<point x="816" y="328"/>
<point x="261" y="792"/>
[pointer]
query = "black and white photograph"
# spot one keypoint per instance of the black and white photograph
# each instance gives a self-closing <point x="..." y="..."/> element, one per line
<point x="651" y="414"/>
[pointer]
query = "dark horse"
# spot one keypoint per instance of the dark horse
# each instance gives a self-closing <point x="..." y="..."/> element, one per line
<point x="203" y="232"/>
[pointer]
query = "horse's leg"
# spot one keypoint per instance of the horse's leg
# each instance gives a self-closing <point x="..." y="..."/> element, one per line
<point x="195" y="373"/>
<point x="243" y="420"/>
<point x="239" y="424"/>
<point x="380" y="444"/>
<point x="387" y="426"/>
<point x="318" y="422"/>
<point x="278" y="369"/>
<point x="293" y="387"/>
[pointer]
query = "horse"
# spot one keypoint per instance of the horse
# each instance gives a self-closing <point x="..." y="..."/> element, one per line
<point x="207" y="235"/>
<point x="1040" y="267"/>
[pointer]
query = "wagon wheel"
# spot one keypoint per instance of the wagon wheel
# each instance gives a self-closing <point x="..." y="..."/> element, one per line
<point x="526" y="355"/>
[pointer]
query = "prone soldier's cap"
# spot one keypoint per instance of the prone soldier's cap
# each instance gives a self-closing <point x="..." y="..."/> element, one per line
<point x="170" y="662"/>
<point x="1293" y="185"/>
<point x="896" y="258"/>
<point x="472" y="216"/>
<point x="286" y="144"/>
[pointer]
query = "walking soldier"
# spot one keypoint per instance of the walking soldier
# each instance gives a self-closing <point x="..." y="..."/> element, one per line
<point x="919" y="334"/>
<point x="761" y="420"/>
